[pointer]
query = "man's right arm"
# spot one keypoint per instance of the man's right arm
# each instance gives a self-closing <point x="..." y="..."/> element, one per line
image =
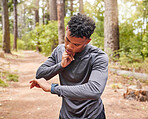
<point x="49" y="68"/>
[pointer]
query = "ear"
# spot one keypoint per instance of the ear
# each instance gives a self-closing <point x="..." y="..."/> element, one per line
<point x="88" y="40"/>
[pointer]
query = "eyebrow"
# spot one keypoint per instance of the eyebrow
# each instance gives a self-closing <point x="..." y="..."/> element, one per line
<point x="71" y="42"/>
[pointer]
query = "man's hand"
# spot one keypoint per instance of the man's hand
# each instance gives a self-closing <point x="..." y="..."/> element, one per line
<point x="41" y="83"/>
<point x="66" y="59"/>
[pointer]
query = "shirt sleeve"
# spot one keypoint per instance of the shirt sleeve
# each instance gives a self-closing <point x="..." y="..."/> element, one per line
<point x="49" y="68"/>
<point x="91" y="90"/>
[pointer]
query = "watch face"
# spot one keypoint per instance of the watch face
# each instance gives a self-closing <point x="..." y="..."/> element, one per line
<point x="53" y="85"/>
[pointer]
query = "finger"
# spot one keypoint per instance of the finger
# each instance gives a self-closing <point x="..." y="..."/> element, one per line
<point x="65" y="54"/>
<point x="33" y="83"/>
<point x="70" y="57"/>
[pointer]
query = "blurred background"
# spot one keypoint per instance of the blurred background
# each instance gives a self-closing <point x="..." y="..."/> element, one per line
<point x="31" y="29"/>
<point x="122" y="29"/>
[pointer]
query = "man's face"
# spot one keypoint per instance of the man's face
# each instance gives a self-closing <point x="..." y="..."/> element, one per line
<point x="74" y="45"/>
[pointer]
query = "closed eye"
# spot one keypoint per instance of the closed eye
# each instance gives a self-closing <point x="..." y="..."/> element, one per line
<point x="77" y="44"/>
<point x="69" y="41"/>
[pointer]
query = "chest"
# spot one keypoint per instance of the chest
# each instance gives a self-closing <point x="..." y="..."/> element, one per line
<point x="78" y="71"/>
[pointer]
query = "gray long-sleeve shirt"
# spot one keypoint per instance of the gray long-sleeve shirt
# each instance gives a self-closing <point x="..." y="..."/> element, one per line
<point x="82" y="81"/>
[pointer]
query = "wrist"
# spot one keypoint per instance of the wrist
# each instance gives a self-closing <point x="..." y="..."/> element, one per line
<point x="53" y="85"/>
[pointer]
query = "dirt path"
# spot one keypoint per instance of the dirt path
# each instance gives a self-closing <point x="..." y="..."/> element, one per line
<point x="18" y="101"/>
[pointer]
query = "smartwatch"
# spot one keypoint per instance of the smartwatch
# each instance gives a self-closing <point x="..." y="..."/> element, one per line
<point x="53" y="85"/>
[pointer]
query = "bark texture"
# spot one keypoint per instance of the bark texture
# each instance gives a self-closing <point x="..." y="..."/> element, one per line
<point x="37" y="13"/>
<point x="38" y="48"/>
<point x="71" y="7"/>
<point x="61" y="29"/>
<point x="53" y="10"/>
<point x="111" y="28"/>
<point x="81" y="6"/>
<point x="15" y="25"/>
<point x="6" y="32"/>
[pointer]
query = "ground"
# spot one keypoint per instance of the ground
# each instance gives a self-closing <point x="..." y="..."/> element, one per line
<point x="18" y="101"/>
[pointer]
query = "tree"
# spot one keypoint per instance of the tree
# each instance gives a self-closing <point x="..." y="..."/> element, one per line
<point x="81" y="6"/>
<point x="53" y="10"/>
<point x="71" y="7"/>
<point x="111" y="28"/>
<point x="15" y="25"/>
<point x="37" y="13"/>
<point x="43" y="11"/>
<point x="48" y="11"/>
<point x="53" y="16"/>
<point x="38" y="48"/>
<point x="6" y="32"/>
<point x="1" y="15"/>
<point x="61" y="29"/>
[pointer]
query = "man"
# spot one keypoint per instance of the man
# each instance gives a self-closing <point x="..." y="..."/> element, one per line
<point x="82" y="69"/>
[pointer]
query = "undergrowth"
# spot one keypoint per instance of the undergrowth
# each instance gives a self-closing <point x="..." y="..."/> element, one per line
<point x="7" y="77"/>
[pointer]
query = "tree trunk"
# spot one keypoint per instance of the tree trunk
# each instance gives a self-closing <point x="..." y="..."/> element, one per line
<point x="61" y="29"/>
<point x="6" y="32"/>
<point x="15" y="25"/>
<point x="43" y="15"/>
<point x="81" y="6"/>
<point x="53" y="17"/>
<point x="1" y="27"/>
<point x="64" y="8"/>
<point x="48" y="10"/>
<point x="43" y="12"/>
<point x="111" y="28"/>
<point x="53" y="10"/>
<point x="71" y="7"/>
<point x="38" y="48"/>
<point x="37" y="13"/>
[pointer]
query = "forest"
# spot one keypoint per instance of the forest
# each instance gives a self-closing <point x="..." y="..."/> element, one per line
<point x="33" y="25"/>
<point x="31" y="29"/>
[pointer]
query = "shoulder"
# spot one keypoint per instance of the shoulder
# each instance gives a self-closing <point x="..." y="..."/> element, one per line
<point x="59" y="49"/>
<point x="97" y="54"/>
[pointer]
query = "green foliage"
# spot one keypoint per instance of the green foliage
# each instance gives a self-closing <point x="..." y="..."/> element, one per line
<point x="98" y="35"/>
<point x="144" y="50"/>
<point x="133" y="35"/>
<point x="10" y="5"/>
<point x="96" y="12"/>
<point x="12" y="77"/>
<point x="133" y="32"/>
<point x="3" y="84"/>
<point x="45" y="35"/>
<point x="28" y="43"/>
<point x="66" y="20"/>
<point x="20" y="43"/>
<point x="133" y="29"/>
<point x="9" y="77"/>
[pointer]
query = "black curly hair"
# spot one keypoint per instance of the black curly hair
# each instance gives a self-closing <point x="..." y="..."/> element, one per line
<point x="81" y="25"/>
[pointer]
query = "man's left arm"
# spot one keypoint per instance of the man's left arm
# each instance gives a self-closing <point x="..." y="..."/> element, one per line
<point x="93" y="88"/>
